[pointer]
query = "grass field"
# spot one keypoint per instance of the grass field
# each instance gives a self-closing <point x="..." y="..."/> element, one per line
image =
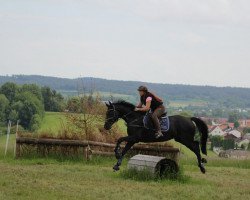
<point x="183" y="104"/>
<point x="53" y="122"/>
<point x="48" y="178"/>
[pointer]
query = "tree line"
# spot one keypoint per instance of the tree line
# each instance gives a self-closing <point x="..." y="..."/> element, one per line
<point x="27" y="103"/>
<point x="216" y="97"/>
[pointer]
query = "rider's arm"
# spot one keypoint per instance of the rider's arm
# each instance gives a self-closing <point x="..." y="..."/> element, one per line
<point x="147" y="107"/>
<point x="139" y="105"/>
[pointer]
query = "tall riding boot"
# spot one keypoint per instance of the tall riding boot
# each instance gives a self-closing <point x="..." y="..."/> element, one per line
<point x="157" y="125"/>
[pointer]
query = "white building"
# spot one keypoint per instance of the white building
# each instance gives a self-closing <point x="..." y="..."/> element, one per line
<point x="217" y="131"/>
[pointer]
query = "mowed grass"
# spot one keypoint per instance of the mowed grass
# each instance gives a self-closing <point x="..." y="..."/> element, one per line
<point x="47" y="178"/>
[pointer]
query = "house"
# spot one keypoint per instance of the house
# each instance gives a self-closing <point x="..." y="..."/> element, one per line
<point x="234" y="132"/>
<point x="228" y="136"/>
<point x="216" y="130"/>
<point x="221" y="120"/>
<point x="226" y="126"/>
<point x="244" y="123"/>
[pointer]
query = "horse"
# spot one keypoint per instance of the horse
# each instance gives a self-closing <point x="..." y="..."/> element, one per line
<point x="182" y="129"/>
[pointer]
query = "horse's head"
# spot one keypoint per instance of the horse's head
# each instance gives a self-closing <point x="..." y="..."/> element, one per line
<point x="117" y="110"/>
<point x="112" y="115"/>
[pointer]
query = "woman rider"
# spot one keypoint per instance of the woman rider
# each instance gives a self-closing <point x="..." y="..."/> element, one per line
<point x="150" y="101"/>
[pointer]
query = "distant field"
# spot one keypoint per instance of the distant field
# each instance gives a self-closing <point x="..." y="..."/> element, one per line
<point x="183" y="104"/>
<point x="105" y="95"/>
<point x="53" y="122"/>
<point x="133" y="99"/>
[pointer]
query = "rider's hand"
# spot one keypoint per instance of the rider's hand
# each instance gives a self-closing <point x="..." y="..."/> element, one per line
<point x="137" y="109"/>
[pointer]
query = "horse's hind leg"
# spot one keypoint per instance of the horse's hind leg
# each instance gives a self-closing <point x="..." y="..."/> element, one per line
<point x="200" y="160"/>
<point x="195" y="147"/>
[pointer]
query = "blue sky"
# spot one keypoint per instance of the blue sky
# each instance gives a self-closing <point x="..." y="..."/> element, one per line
<point x="199" y="42"/>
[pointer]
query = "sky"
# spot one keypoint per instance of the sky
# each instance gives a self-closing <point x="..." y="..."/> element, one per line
<point x="196" y="42"/>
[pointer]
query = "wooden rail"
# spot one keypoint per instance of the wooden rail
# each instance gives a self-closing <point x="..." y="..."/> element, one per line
<point x="91" y="147"/>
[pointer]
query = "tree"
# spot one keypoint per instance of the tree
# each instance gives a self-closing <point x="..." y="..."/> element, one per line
<point x="73" y="104"/>
<point x="87" y="114"/>
<point x="13" y="115"/>
<point x="35" y="122"/>
<point x="228" y="144"/>
<point x="216" y="141"/>
<point x="236" y="124"/>
<point x="53" y="101"/>
<point x="233" y="117"/>
<point x="4" y="103"/>
<point x="32" y="88"/>
<point x="28" y="105"/>
<point x="9" y="90"/>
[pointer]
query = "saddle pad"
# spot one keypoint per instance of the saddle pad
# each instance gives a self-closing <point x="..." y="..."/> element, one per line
<point x="164" y="122"/>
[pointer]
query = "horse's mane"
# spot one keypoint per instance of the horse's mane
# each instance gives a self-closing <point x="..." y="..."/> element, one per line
<point x="125" y="103"/>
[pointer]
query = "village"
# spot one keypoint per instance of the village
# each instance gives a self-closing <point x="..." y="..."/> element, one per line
<point x="229" y="140"/>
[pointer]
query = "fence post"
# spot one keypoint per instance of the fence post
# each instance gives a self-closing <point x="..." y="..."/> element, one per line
<point x="15" y="146"/>
<point x="86" y="152"/>
<point x="7" y="139"/>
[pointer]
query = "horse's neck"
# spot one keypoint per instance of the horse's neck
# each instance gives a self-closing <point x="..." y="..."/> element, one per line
<point x="129" y="115"/>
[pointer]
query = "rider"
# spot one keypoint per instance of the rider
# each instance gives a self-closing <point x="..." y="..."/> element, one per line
<point x="153" y="103"/>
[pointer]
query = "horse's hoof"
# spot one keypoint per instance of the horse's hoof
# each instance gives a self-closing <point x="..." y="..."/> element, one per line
<point x="202" y="168"/>
<point x="116" y="168"/>
<point x="204" y="160"/>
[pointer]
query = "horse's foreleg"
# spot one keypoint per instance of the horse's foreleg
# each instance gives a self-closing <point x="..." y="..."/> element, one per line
<point x="125" y="150"/>
<point x="117" y="151"/>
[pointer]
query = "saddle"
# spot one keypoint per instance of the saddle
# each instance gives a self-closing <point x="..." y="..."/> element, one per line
<point x="164" y="122"/>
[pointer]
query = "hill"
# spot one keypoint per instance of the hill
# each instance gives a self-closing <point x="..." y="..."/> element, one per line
<point x="228" y="97"/>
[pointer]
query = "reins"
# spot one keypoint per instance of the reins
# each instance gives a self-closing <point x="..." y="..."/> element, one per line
<point x="115" y="118"/>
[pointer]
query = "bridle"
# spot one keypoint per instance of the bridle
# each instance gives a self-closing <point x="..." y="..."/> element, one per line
<point x="116" y="117"/>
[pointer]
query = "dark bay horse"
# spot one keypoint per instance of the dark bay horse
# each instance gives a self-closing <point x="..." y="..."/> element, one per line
<point x="182" y="129"/>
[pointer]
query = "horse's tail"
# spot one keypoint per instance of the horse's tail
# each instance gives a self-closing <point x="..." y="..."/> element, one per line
<point x="203" y="129"/>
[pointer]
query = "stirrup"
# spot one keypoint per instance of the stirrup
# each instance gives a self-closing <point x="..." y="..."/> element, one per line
<point x="158" y="134"/>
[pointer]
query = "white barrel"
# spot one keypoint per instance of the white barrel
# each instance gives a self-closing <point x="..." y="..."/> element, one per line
<point x="154" y="164"/>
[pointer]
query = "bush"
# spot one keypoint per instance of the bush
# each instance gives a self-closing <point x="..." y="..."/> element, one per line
<point x="216" y="141"/>
<point x="228" y="144"/>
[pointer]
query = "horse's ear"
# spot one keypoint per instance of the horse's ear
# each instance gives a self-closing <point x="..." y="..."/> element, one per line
<point x="108" y="104"/>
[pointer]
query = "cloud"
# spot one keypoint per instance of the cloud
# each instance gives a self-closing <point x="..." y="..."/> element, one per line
<point x="191" y="11"/>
